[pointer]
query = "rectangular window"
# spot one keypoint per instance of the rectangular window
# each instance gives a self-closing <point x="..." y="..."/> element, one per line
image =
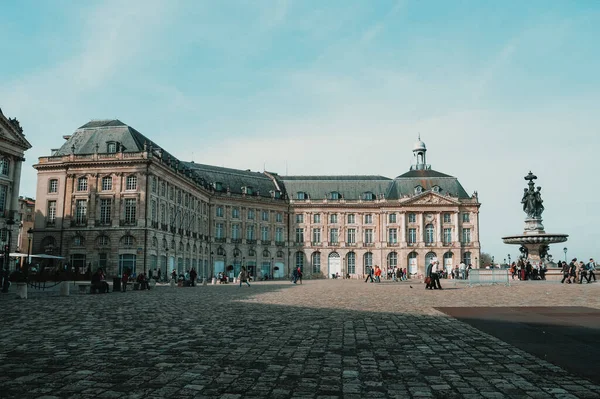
<point x="351" y="263"/>
<point x="251" y="214"/>
<point x="466" y="236"/>
<point x="333" y="236"/>
<point x="81" y="211"/>
<point x="351" y="239"/>
<point x="4" y="166"/>
<point x="264" y="233"/>
<point x="130" y="210"/>
<point x="466" y="218"/>
<point x="235" y="213"/>
<point x="333" y="218"/>
<point x="412" y="218"/>
<point x="393" y="236"/>
<point x="279" y="217"/>
<point x="82" y="184"/>
<point x="131" y="183"/>
<point x="235" y="231"/>
<point x="219" y="211"/>
<point x="412" y="236"/>
<point x="279" y="234"/>
<point x="299" y="235"/>
<point x="163" y="213"/>
<point x="317" y="218"/>
<point x="368" y="236"/>
<point x="265" y="216"/>
<point x="351" y="218"/>
<point x="105" y="211"/>
<point x="51" y="212"/>
<point x="3" y="191"/>
<point x="316" y="236"/>
<point x="447" y="218"/>
<point x="219" y="230"/>
<point x="368" y="218"/>
<point x="392" y="218"/>
<point x="447" y="236"/>
<point x="154" y="184"/>
<point x="53" y="186"/>
<point x="299" y="218"/>
<point x="250" y="232"/>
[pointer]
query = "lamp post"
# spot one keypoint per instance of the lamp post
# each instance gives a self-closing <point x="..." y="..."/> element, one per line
<point x="565" y="249"/>
<point x="505" y="261"/>
<point x="9" y="224"/>
<point x="166" y="263"/>
<point x="492" y="266"/>
<point x="476" y="263"/>
<point x="509" y="259"/>
<point x="29" y="238"/>
<point x="211" y="265"/>
<point x="271" y="271"/>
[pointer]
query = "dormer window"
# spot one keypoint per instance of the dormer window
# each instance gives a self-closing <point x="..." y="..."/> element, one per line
<point x="368" y="196"/>
<point x="112" y="147"/>
<point x="247" y="190"/>
<point x="418" y="190"/>
<point x="301" y="195"/>
<point x="334" y="195"/>
<point x="435" y="189"/>
<point x="218" y="186"/>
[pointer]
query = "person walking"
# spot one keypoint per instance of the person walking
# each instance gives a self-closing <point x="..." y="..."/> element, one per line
<point x="566" y="275"/>
<point x="435" y="275"/>
<point x="299" y="273"/>
<point x="591" y="268"/>
<point x="243" y="276"/>
<point x="377" y="274"/>
<point x="193" y="276"/>
<point x="370" y="275"/>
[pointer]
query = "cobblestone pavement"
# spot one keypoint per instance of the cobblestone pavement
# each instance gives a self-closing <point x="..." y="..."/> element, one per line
<point x="321" y="339"/>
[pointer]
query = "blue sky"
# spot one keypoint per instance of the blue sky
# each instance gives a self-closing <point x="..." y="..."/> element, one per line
<point x="339" y="87"/>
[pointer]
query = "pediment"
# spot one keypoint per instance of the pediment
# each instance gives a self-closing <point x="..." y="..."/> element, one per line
<point x="10" y="131"/>
<point x="432" y="199"/>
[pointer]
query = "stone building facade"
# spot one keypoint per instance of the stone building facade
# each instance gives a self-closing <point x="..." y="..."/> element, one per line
<point x="26" y="212"/>
<point x="112" y="198"/>
<point x="13" y="145"/>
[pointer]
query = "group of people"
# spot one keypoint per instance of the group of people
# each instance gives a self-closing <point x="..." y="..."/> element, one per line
<point x="526" y="271"/>
<point x="578" y="271"/>
<point x="297" y="276"/>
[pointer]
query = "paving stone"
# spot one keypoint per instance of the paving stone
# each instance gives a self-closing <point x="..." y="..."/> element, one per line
<point x="321" y="339"/>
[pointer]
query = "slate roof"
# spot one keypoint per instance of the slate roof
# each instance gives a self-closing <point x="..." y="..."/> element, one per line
<point x="350" y="187"/>
<point x="353" y="187"/>
<point x="101" y="132"/>
<point x="235" y="179"/>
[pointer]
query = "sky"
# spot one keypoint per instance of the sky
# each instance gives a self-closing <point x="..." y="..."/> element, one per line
<point x="494" y="88"/>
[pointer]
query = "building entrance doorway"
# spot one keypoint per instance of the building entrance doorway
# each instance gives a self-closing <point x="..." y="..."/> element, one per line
<point x="335" y="265"/>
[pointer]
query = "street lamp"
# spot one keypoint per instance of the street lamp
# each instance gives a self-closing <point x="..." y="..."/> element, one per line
<point x="271" y="272"/>
<point x="565" y="249"/>
<point x="29" y="238"/>
<point x="166" y="264"/>
<point x="505" y="261"/>
<point x="509" y="259"/>
<point x="492" y="266"/>
<point x="477" y="263"/>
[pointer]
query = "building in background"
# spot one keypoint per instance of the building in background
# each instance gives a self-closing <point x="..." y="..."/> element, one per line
<point x="13" y="145"/>
<point x="25" y="216"/>
<point x="110" y="197"/>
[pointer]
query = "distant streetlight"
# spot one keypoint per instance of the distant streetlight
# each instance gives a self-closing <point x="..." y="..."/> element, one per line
<point x="509" y="258"/>
<point x="29" y="238"/>
<point x="565" y="250"/>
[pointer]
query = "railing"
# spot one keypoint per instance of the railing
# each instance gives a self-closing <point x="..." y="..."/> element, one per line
<point x="488" y="276"/>
<point x="265" y="242"/>
<point x="280" y="243"/>
<point x="393" y="244"/>
<point x="316" y="243"/>
<point x="127" y="222"/>
<point x="80" y="222"/>
<point x="220" y="239"/>
<point x="236" y="240"/>
<point x="99" y="223"/>
<point x="251" y="242"/>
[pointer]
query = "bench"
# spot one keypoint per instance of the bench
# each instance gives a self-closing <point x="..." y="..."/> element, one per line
<point x="83" y="286"/>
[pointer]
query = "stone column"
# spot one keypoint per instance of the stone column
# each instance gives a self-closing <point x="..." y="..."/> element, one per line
<point x="421" y="232"/>
<point x="439" y="234"/>
<point x="456" y="227"/>
<point x="403" y="229"/>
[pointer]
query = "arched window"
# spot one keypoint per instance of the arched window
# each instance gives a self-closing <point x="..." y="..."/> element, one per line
<point x="316" y="262"/>
<point x="220" y="251"/>
<point x="127" y="241"/>
<point x="155" y="242"/>
<point x="429" y="258"/>
<point x="429" y="234"/>
<point x="392" y="260"/>
<point x="300" y="260"/>
<point x="188" y="247"/>
<point x="351" y="259"/>
<point x="412" y="263"/>
<point x="78" y="241"/>
<point x="367" y="262"/>
<point x="280" y="254"/>
<point x="266" y="253"/>
<point x="164" y="243"/>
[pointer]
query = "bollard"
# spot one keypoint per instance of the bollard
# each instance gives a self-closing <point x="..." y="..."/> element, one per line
<point x="204" y="281"/>
<point x="22" y="290"/>
<point x="214" y="281"/>
<point x="64" y="288"/>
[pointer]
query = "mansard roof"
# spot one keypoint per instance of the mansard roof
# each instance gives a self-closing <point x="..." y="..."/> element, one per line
<point x="101" y="132"/>
<point x="236" y="180"/>
<point x="349" y="187"/>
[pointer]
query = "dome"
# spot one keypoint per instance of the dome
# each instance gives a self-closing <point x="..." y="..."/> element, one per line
<point x="419" y="146"/>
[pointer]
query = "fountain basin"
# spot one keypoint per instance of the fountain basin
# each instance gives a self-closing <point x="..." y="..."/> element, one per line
<point x="535" y="239"/>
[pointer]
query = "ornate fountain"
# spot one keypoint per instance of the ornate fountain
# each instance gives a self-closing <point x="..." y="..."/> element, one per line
<point x="534" y="242"/>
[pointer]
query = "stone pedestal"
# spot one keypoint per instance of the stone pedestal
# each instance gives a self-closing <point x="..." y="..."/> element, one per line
<point x="22" y="290"/>
<point x="64" y="288"/>
<point x="204" y="281"/>
<point x="533" y="226"/>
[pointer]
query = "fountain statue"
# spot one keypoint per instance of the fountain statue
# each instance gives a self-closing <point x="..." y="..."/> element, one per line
<point x="534" y="242"/>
